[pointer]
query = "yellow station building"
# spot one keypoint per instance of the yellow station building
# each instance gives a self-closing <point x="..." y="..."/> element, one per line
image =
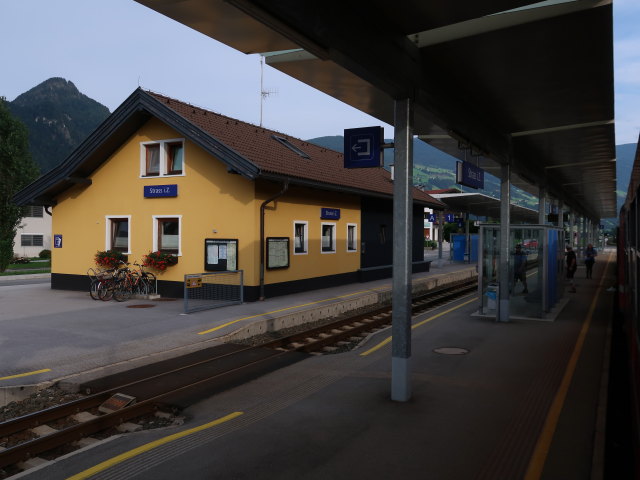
<point x="162" y="175"/>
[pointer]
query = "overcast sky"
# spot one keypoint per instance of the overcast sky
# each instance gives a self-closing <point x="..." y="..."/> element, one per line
<point x="108" y="49"/>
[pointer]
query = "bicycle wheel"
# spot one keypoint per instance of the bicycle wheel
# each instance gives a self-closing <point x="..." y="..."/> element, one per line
<point x="122" y="290"/>
<point x="105" y="290"/>
<point x="93" y="288"/>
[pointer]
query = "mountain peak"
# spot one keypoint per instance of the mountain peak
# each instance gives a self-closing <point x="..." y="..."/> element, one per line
<point x="53" y="88"/>
<point x="58" y="117"/>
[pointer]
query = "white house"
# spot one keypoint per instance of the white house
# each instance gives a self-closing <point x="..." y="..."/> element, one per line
<point x="34" y="233"/>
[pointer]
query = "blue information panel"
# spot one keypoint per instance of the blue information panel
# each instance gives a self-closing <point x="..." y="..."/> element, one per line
<point x="330" y="213"/>
<point x="153" y="191"/>
<point x="470" y="175"/>
<point x="449" y="218"/>
<point x="432" y="217"/>
<point x="57" y="241"/>
<point x="363" y="147"/>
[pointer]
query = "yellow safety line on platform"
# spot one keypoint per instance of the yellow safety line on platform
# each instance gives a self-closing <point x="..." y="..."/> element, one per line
<point x="19" y="375"/>
<point x="541" y="451"/>
<point x="419" y="324"/>
<point x="383" y="287"/>
<point x="149" y="446"/>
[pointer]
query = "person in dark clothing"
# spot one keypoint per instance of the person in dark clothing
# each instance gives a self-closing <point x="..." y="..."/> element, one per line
<point x="520" y="268"/>
<point x="572" y="266"/>
<point x="590" y="254"/>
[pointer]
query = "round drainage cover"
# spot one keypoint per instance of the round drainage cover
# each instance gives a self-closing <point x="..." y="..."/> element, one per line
<point x="141" y="305"/>
<point x="451" y="351"/>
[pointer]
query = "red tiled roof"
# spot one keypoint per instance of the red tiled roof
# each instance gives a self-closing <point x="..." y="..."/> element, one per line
<point x="257" y="145"/>
<point x="444" y="190"/>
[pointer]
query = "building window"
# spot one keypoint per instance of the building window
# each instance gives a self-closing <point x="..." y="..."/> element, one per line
<point x="31" y="240"/>
<point x="328" y="237"/>
<point x="175" y="154"/>
<point x="382" y="234"/>
<point x="152" y="160"/>
<point x="163" y="158"/>
<point x="167" y="234"/>
<point x="118" y="233"/>
<point x="33" y="211"/>
<point x="300" y="236"/>
<point x="352" y="237"/>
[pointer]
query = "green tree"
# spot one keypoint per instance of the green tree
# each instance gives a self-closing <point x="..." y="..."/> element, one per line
<point x="17" y="170"/>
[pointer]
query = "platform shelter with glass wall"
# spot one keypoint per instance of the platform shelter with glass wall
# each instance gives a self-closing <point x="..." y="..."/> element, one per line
<point x="539" y="252"/>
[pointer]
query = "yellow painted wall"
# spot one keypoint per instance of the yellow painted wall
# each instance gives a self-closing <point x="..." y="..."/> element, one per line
<point x="209" y="198"/>
<point x="304" y="204"/>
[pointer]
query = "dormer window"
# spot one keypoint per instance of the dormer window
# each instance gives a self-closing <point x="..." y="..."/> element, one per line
<point x="162" y="159"/>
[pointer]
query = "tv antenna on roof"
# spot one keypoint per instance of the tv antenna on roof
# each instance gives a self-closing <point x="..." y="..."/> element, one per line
<point x="264" y="94"/>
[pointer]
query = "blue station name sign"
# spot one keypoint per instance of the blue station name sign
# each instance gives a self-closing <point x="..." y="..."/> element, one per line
<point x="470" y="175"/>
<point x="330" y="213"/>
<point x="363" y="147"/>
<point x="155" y="191"/>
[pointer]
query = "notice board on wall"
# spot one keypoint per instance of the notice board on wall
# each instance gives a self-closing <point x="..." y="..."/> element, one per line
<point x="277" y="252"/>
<point x="220" y="254"/>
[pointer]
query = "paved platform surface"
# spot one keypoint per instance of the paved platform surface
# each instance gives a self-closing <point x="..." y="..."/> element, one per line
<point x="522" y="402"/>
<point x="65" y="336"/>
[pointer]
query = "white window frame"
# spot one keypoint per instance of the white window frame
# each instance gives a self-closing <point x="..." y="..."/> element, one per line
<point x="333" y="237"/>
<point x="306" y="237"/>
<point x="32" y="235"/>
<point x="155" y="232"/>
<point x="355" y="237"/>
<point x="163" y="158"/>
<point x="107" y="233"/>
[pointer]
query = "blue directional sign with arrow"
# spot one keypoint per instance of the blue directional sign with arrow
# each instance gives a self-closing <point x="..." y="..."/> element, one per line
<point x="363" y="147"/>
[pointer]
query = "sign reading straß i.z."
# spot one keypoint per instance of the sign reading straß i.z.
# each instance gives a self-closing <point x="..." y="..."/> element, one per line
<point x="153" y="191"/>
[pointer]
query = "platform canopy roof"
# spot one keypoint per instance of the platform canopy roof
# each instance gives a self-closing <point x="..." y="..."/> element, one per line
<point x="500" y="81"/>
<point x="485" y="206"/>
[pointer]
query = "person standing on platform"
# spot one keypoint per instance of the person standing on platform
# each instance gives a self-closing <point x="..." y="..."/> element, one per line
<point x="590" y="255"/>
<point x="520" y="268"/>
<point x="572" y="266"/>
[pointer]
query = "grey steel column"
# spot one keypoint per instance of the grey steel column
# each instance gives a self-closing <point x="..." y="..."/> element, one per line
<point x="572" y="221"/>
<point x="467" y="236"/>
<point x="402" y="235"/>
<point x="440" y="235"/>
<point x="560" y="214"/>
<point x="542" y="205"/>
<point x="583" y="235"/>
<point x="505" y="201"/>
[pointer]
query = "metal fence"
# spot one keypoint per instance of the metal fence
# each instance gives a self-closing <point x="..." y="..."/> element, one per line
<point x="203" y="291"/>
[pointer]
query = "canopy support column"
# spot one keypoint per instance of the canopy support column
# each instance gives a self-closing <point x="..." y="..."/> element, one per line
<point x="542" y="205"/>
<point x="402" y="235"/>
<point x="505" y="202"/>
<point x="572" y="221"/>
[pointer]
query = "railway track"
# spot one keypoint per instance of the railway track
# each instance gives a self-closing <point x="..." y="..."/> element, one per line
<point x="227" y="366"/>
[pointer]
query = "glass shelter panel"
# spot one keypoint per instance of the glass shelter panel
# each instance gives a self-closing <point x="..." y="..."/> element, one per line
<point x="535" y="269"/>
